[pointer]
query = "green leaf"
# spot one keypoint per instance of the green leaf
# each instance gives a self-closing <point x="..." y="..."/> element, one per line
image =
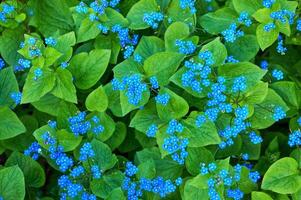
<point x="126" y="68"/>
<point x="103" y="187"/>
<point x="172" y="34"/>
<point x="8" y="84"/>
<point x="87" y="69"/>
<point x="162" y="65"/>
<point x="145" y="117"/>
<point x="51" y="56"/>
<point x="10" y="125"/>
<point x="263" y="112"/>
<point x="263" y="15"/>
<point x="53" y="105"/>
<point x="282" y="177"/>
<point x="247" y="6"/>
<point x="108" y="123"/>
<point x="88" y="30"/>
<point x="64" y="87"/>
<point x="196" y="188"/>
<point x="118" y="136"/>
<point x="12" y="184"/>
<point x="117" y="193"/>
<point x="64" y="138"/>
<point x="201" y="136"/>
<point x="149" y="45"/>
<point x="176" y="108"/>
<point x="33" y="172"/>
<point x="115" y="17"/>
<point x="137" y="11"/>
<point x="178" y="14"/>
<point x="218" y="21"/>
<point x="244" y="48"/>
<point x="97" y="100"/>
<point x="146" y="170"/>
<point x="257" y="93"/>
<point x="288" y="91"/>
<point x="49" y="17"/>
<point x="33" y="89"/>
<point x="218" y="50"/>
<point x="109" y="42"/>
<point x="264" y="38"/>
<point x="251" y="72"/>
<point x="103" y="155"/>
<point x="9" y="44"/>
<point x="260" y="196"/>
<point x="197" y="155"/>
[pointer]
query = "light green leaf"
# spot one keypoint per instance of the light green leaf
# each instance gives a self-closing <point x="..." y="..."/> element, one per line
<point x="97" y="100"/>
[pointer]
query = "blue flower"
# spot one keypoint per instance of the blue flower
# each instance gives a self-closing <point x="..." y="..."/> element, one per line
<point x="153" y="19"/>
<point x="277" y="74"/>
<point x="162" y="99"/>
<point x="130" y="169"/>
<point x="264" y="64"/>
<point x="239" y="84"/>
<point x="190" y="4"/>
<point x="294" y="138"/>
<point x="268" y="27"/>
<point x="254" y="176"/>
<point x="50" y="41"/>
<point x="244" y="18"/>
<point x="16" y="97"/>
<point x="77" y="171"/>
<point x="96" y="173"/>
<point x="268" y="3"/>
<point x="33" y="150"/>
<point x="38" y="73"/>
<point x="2" y="63"/>
<point x="231" y="34"/>
<point x="154" y="82"/>
<point x="255" y="139"/>
<point x="86" y="152"/>
<point x="152" y="130"/>
<point x="185" y="47"/>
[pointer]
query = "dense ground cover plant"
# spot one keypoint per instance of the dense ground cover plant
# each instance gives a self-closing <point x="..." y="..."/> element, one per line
<point x="150" y="99"/>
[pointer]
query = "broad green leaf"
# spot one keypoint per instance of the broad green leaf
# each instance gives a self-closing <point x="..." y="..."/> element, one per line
<point x="117" y="193"/>
<point x="162" y="65"/>
<point x="115" y="17"/>
<point x="149" y="45"/>
<point x="33" y="89"/>
<point x="263" y="15"/>
<point x="33" y="172"/>
<point x="195" y="157"/>
<point x="103" y="155"/>
<point x="51" y="56"/>
<point x="108" y="42"/>
<point x="263" y="112"/>
<point x="49" y="17"/>
<point x="176" y="108"/>
<point x="244" y="48"/>
<point x="288" y="91"/>
<point x="97" y="100"/>
<point x="147" y="170"/>
<point x="126" y="68"/>
<point x="8" y="84"/>
<point x="9" y="44"/>
<point x="88" y="30"/>
<point x="264" y="38"/>
<point x="261" y="196"/>
<point x="12" y="184"/>
<point x="282" y="177"/>
<point x="136" y="13"/>
<point x="64" y="138"/>
<point x="87" y="69"/>
<point x="64" y="87"/>
<point x="218" y="21"/>
<point x="201" y="136"/>
<point x="118" y="136"/>
<point x="103" y="187"/>
<point x="172" y="34"/>
<point x="251" y="72"/>
<point x="10" y="125"/>
<point x="178" y="14"/>
<point x="218" y="50"/>
<point x="53" y="105"/>
<point x="247" y="6"/>
<point x="256" y="94"/>
<point x="145" y="117"/>
<point x="196" y="188"/>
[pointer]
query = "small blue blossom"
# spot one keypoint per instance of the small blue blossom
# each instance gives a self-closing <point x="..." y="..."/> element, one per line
<point x="254" y="176"/>
<point x="130" y="169"/>
<point x="81" y="8"/>
<point x="77" y="171"/>
<point x="298" y="27"/>
<point x="231" y="34"/>
<point x="86" y="152"/>
<point x="268" y="27"/>
<point x="280" y="47"/>
<point x="231" y="59"/>
<point x="154" y="82"/>
<point x="138" y="58"/>
<point x="245" y="156"/>
<point x="2" y="63"/>
<point x="278" y="113"/>
<point x="162" y="99"/>
<point x="254" y="138"/>
<point x="264" y="64"/>
<point x="96" y="173"/>
<point x="50" y="41"/>
<point x="239" y="84"/>
<point x="153" y="19"/>
<point x="185" y="47"/>
<point x="268" y="3"/>
<point x="190" y="4"/>
<point x="152" y="130"/>
<point x="235" y="194"/>
<point x="16" y="97"/>
<point x="200" y="120"/>
<point x="277" y="74"/>
<point x="244" y="18"/>
<point x="38" y="73"/>
<point x="33" y="150"/>
<point x="294" y="139"/>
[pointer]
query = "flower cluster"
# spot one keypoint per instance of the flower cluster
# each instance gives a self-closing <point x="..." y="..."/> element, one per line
<point x="278" y="113"/>
<point x="16" y="97"/>
<point x="298" y="27"/>
<point x="294" y="139"/>
<point x="33" y="150"/>
<point x="185" y="47"/>
<point x="239" y="84"/>
<point x="264" y="64"/>
<point x="80" y="125"/>
<point x="244" y="18"/>
<point x="5" y="11"/>
<point x="32" y="45"/>
<point x="190" y="4"/>
<point x="283" y="16"/>
<point x="132" y="86"/>
<point x="269" y="26"/>
<point x="162" y="99"/>
<point x="2" y="63"/>
<point x="231" y="59"/>
<point x="174" y="145"/>
<point x="280" y="47"/>
<point x="197" y="74"/>
<point x="268" y="3"/>
<point x="277" y="74"/>
<point x="153" y="19"/>
<point x="157" y="185"/>
<point x="22" y="65"/>
<point x="229" y="178"/>
<point x="50" y="41"/>
<point x="154" y="82"/>
<point x="231" y="34"/>
<point x="152" y="130"/>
